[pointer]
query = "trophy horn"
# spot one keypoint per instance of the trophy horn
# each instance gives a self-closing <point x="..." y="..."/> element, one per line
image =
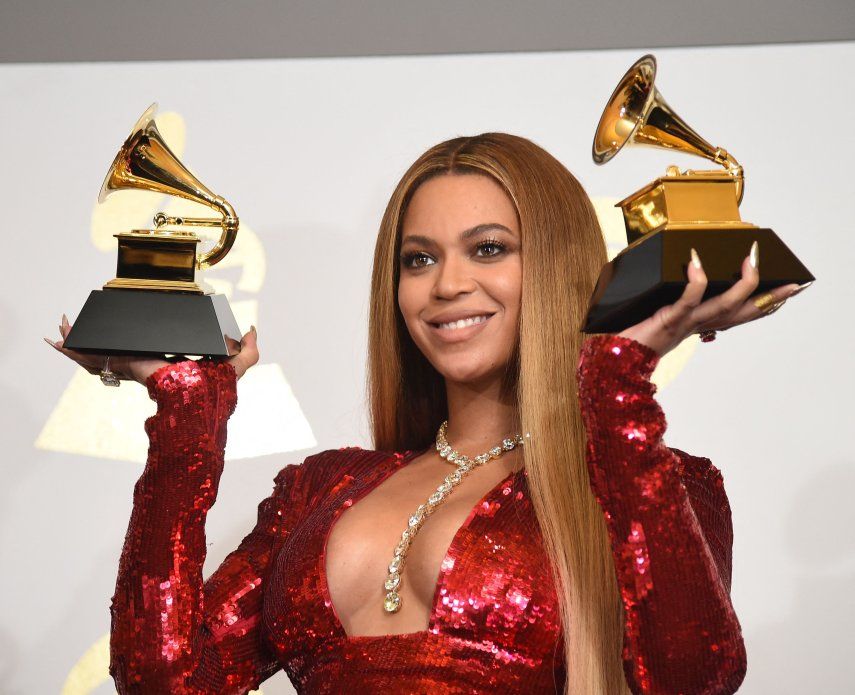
<point x="145" y="162"/>
<point x="637" y="114"/>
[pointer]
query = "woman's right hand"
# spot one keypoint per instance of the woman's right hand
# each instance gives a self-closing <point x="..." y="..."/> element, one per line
<point x="136" y="368"/>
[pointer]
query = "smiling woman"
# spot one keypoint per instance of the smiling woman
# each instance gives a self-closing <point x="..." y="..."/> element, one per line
<point x="494" y="226"/>
<point x="461" y="277"/>
<point x="591" y="559"/>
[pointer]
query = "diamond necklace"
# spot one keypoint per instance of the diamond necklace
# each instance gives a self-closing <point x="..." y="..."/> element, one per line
<point x="392" y="601"/>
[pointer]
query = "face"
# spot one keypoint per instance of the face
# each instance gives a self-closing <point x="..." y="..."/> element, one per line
<point x="461" y="276"/>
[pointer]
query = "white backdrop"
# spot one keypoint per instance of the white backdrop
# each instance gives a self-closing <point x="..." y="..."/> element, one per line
<point x="308" y="152"/>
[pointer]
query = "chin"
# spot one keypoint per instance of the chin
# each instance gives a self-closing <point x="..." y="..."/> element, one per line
<point x="466" y="371"/>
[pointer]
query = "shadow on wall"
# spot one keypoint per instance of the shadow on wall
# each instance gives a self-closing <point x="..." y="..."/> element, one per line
<point x="820" y="539"/>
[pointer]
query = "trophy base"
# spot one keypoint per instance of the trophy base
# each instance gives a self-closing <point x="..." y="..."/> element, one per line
<point x="653" y="272"/>
<point x="156" y="323"/>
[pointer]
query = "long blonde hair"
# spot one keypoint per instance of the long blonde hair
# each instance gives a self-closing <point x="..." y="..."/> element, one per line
<point x="562" y="253"/>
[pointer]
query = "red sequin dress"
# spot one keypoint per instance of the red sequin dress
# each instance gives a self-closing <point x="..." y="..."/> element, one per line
<point x="494" y="626"/>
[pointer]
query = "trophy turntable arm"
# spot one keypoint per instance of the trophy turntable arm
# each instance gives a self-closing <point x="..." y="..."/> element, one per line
<point x="229" y="224"/>
<point x="725" y="159"/>
<point x="734" y="168"/>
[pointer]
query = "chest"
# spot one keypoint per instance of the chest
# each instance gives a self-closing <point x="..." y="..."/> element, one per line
<point x="476" y="574"/>
<point x="360" y="546"/>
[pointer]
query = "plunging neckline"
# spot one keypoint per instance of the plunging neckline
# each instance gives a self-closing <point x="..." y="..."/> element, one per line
<point x="322" y="561"/>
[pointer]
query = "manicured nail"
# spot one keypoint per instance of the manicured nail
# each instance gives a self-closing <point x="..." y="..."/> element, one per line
<point x="51" y="343"/>
<point x="64" y="320"/>
<point x="754" y="256"/>
<point x="801" y="288"/>
<point x="696" y="260"/>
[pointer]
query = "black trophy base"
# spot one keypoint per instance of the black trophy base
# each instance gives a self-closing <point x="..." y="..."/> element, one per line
<point x="653" y="274"/>
<point x="143" y="322"/>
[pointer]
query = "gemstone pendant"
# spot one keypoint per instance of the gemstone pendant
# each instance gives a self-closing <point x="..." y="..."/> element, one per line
<point x="392" y="603"/>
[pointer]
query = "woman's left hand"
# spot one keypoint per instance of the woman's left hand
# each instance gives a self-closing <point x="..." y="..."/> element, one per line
<point x="672" y="324"/>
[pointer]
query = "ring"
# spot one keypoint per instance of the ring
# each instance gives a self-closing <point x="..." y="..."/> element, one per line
<point x="707" y="336"/>
<point x="764" y="301"/>
<point x="109" y="378"/>
<point x="775" y="307"/>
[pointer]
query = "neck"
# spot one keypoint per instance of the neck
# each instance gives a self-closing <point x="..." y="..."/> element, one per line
<point x="479" y="416"/>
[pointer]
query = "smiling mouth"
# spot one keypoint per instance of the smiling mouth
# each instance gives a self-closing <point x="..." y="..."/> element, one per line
<point x="462" y="323"/>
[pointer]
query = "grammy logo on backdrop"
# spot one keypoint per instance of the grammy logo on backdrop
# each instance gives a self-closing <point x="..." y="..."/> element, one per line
<point x="155" y="305"/>
<point x="673" y="214"/>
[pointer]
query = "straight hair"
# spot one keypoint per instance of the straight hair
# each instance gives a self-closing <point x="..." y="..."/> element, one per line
<point x="563" y="251"/>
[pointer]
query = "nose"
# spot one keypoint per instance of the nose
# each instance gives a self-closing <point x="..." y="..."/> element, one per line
<point x="454" y="277"/>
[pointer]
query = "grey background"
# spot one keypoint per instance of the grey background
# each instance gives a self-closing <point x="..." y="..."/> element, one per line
<point x="107" y="30"/>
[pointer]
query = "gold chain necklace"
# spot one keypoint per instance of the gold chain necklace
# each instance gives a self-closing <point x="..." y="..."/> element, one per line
<point x="392" y="602"/>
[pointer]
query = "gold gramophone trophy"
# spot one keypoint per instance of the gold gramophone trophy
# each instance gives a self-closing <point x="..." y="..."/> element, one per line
<point x="677" y="212"/>
<point x="154" y="305"/>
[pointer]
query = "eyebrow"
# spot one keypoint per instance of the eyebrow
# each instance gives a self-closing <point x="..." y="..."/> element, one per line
<point x="464" y="236"/>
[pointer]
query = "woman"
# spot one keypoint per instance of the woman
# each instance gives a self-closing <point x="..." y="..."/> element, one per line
<point x="591" y="559"/>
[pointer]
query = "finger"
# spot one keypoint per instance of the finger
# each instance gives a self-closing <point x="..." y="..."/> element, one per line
<point x="249" y="346"/>
<point x="676" y="314"/>
<point x="759" y="306"/>
<point x="776" y="307"/>
<point x="88" y="362"/>
<point x="120" y="366"/>
<point x="756" y="307"/>
<point x="248" y="354"/>
<point x="720" y="309"/>
<point x="233" y="347"/>
<point x="57" y="345"/>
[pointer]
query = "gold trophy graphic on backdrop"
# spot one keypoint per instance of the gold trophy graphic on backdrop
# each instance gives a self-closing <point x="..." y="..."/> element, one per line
<point x="674" y="213"/>
<point x="154" y="305"/>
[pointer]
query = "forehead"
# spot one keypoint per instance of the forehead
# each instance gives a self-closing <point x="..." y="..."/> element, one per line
<point x="452" y="203"/>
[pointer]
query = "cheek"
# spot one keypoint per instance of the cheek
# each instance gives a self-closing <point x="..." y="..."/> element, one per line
<point x="409" y="299"/>
<point x="506" y="288"/>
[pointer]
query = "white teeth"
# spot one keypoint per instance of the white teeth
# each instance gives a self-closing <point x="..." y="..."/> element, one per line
<point x="462" y="323"/>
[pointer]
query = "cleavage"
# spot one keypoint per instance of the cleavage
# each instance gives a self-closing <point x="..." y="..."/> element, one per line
<point x="361" y="541"/>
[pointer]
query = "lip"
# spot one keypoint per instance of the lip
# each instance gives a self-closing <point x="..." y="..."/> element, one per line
<point x="457" y="335"/>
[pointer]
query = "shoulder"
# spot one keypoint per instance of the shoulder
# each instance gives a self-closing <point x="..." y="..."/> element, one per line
<point x="319" y="474"/>
<point x="348" y="457"/>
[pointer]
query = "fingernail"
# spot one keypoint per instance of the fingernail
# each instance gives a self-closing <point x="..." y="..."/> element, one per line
<point x="801" y="288"/>
<point x="696" y="260"/>
<point x="50" y="342"/>
<point x="64" y="320"/>
<point x="754" y="256"/>
<point x="254" y="329"/>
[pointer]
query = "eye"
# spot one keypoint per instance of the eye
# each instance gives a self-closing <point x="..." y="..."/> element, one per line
<point x="415" y="259"/>
<point x="493" y="247"/>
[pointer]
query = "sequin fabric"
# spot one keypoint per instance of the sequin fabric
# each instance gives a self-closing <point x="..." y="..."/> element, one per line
<point x="494" y="625"/>
<point x="670" y="527"/>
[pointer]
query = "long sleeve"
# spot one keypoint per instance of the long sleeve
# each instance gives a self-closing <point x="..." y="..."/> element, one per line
<point x="172" y="633"/>
<point x="669" y="526"/>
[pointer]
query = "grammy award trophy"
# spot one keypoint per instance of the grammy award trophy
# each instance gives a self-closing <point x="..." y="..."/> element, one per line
<point x="668" y="217"/>
<point x="154" y="305"/>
